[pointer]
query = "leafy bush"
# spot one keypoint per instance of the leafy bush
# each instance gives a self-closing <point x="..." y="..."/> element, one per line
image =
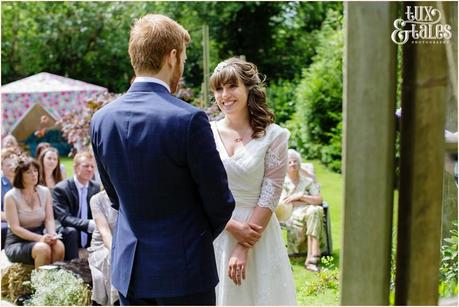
<point x="75" y="125"/>
<point x="58" y="287"/>
<point x="281" y="99"/>
<point x="448" y="265"/>
<point x="318" y="119"/>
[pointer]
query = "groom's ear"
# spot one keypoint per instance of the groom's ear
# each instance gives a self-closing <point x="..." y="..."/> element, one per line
<point x="171" y="58"/>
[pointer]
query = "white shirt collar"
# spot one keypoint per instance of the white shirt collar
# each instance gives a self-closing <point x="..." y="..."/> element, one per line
<point x="78" y="184"/>
<point x="153" y="80"/>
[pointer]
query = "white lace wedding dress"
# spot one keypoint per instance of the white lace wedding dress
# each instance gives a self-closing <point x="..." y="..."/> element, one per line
<point x="256" y="174"/>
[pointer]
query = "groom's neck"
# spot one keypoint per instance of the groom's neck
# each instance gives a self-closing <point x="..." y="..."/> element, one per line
<point x="162" y="75"/>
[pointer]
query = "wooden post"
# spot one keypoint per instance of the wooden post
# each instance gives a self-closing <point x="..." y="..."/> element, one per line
<point x="424" y="94"/>
<point x="205" y="66"/>
<point x="449" y="11"/>
<point x="368" y="155"/>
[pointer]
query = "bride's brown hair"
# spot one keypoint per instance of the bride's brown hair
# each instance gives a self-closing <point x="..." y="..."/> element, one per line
<point x="228" y="72"/>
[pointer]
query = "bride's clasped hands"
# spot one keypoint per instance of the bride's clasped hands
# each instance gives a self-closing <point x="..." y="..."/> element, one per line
<point x="247" y="235"/>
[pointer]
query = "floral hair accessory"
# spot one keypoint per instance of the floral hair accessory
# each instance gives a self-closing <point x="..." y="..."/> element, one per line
<point x="18" y="160"/>
<point x="221" y="66"/>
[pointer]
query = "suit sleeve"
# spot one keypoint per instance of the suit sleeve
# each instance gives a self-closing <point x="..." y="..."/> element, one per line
<point x="104" y="177"/>
<point x="61" y="206"/>
<point x="209" y="174"/>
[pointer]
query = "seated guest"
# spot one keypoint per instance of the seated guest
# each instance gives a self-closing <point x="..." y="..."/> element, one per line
<point x="9" y="141"/>
<point x="38" y="151"/>
<point x="99" y="252"/>
<point x="31" y="237"/>
<point x="305" y="223"/>
<point x="71" y="204"/>
<point x="50" y="171"/>
<point x="40" y="147"/>
<point x="9" y="159"/>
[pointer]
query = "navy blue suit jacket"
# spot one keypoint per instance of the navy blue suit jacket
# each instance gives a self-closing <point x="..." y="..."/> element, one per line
<point x="159" y="165"/>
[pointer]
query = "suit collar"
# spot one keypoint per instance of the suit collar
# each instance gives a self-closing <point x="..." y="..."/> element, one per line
<point x="148" y="87"/>
<point x="78" y="184"/>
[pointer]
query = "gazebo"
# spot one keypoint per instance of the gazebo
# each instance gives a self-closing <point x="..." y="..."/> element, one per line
<point x="54" y="94"/>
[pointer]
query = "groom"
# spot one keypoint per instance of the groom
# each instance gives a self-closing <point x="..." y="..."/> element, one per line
<point x="159" y="165"/>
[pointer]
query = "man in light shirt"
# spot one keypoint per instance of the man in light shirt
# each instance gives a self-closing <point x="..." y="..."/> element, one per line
<point x="71" y="205"/>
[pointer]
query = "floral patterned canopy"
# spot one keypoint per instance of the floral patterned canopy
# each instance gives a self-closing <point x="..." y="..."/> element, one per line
<point x="58" y="95"/>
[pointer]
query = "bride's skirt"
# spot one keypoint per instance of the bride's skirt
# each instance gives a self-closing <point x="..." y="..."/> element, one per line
<point x="269" y="278"/>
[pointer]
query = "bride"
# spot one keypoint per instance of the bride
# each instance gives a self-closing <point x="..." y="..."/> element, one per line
<point x="252" y="260"/>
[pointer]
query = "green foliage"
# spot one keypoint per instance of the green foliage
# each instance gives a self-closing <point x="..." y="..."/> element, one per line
<point x="58" y="287"/>
<point x="294" y="36"/>
<point x="89" y="40"/>
<point x="318" y="119"/>
<point x="449" y="263"/>
<point x="75" y="125"/>
<point x="82" y="40"/>
<point x="281" y="99"/>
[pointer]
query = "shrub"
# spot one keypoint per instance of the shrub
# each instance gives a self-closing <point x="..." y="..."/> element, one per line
<point x="281" y="99"/>
<point x="318" y="119"/>
<point x="448" y="264"/>
<point x="58" y="287"/>
<point x="75" y="125"/>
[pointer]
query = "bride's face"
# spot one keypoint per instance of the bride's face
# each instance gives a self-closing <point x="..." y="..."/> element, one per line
<point x="232" y="98"/>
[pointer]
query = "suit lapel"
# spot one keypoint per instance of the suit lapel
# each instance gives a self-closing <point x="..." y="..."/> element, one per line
<point x="75" y="198"/>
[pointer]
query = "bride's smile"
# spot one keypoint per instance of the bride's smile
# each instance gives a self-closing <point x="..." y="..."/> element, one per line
<point x="232" y="98"/>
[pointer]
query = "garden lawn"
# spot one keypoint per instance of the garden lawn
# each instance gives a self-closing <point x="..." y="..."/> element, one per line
<point x="68" y="164"/>
<point x="331" y="187"/>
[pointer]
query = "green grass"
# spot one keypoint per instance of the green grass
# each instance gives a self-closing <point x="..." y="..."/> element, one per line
<point x="68" y="164"/>
<point x="332" y="192"/>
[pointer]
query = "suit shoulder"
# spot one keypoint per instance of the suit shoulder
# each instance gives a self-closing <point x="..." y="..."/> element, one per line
<point x="186" y="108"/>
<point x="64" y="184"/>
<point x="94" y="185"/>
<point x="106" y="108"/>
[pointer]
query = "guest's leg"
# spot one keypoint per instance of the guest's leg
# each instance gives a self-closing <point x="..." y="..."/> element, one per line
<point x="315" y="246"/>
<point x="314" y="217"/>
<point x="206" y="298"/>
<point x="309" y="255"/>
<point x="70" y="237"/>
<point x="41" y="254"/>
<point x="58" y="251"/>
<point x="4" y="232"/>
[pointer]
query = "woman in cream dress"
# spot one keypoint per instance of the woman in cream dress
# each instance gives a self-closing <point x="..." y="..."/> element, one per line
<point x="99" y="252"/>
<point x="252" y="260"/>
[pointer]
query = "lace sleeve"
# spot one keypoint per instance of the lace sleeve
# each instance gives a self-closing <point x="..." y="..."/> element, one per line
<point x="275" y="171"/>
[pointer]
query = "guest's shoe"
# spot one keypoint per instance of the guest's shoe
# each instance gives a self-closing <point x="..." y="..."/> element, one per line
<point x="313" y="264"/>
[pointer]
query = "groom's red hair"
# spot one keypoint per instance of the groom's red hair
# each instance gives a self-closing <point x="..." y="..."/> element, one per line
<point x="152" y="38"/>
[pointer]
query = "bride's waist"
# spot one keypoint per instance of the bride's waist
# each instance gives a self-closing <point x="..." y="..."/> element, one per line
<point x="245" y="204"/>
<point x="246" y="201"/>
